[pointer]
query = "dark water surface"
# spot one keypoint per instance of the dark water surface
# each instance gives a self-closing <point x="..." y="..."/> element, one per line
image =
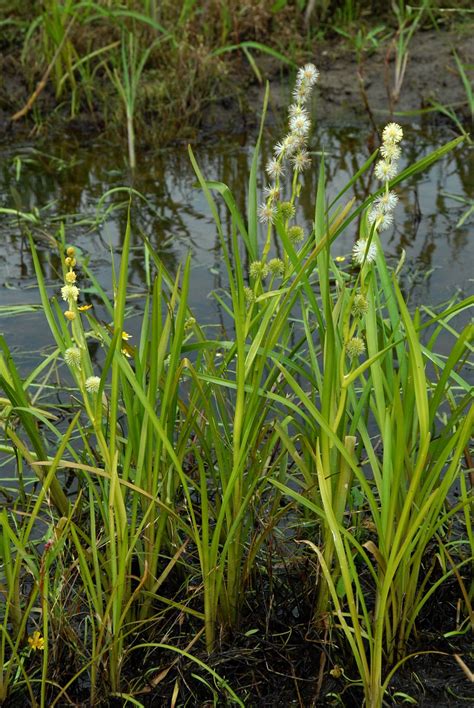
<point x="64" y="183"/>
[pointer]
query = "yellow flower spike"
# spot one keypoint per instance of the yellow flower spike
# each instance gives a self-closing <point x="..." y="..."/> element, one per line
<point x="36" y="641"/>
<point x="71" y="251"/>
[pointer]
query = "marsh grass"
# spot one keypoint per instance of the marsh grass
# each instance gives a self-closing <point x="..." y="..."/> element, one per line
<point x="70" y="50"/>
<point x="189" y="453"/>
<point x="93" y="55"/>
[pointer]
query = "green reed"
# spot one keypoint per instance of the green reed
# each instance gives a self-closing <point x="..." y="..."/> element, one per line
<point x="187" y="450"/>
<point x="387" y="400"/>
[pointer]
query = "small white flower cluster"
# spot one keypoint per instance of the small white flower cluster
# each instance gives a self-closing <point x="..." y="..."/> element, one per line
<point x="387" y="168"/>
<point x="92" y="384"/>
<point x="72" y="357"/>
<point x="70" y="292"/>
<point x="292" y="147"/>
<point x="363" y="252"/>
<point x="381" y="213"/>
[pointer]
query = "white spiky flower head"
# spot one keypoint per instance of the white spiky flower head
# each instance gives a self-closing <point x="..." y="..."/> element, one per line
<point x="296" y="109"/>
<point x="272" y="192"/>
<point x="92" y="384"/>
<point x="293" y="142"/>
<point x="274" y="169"/>
<point x="363" y="253"/>
<point x="279" y="148"/>
<point x="381" y="219"/>
<point x="301" y="161"/>
<point x="72" y="357"/>
<point x="392" y="133"/>
<point x="300" y="124"/>
<point x="386" y="201"/>
<point x="301" y="92"/>
<point x="390" y="151"/>
<point x="266" y="213"/>
<point x="385" y="170"/>
<point x="70" y="292"/>
<point x="307" y="74"/>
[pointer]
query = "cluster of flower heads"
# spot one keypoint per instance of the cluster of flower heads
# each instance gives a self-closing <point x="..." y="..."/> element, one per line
<point x="72" y="357"/>
<point x="291" y="150"/>
<point x="69" y="291"/>
<point x="381" y="213"/>
<point x="292" y="147"/>
<point x="70" y="294"/>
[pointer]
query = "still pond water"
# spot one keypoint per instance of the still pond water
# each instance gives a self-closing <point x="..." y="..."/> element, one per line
<point x="66" y="183"/>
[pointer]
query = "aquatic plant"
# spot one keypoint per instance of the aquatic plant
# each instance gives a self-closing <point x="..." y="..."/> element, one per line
<point x="324" y="397"/>
<point x="337" y="402"/>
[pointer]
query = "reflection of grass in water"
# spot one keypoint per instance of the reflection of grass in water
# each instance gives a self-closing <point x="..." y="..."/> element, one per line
<point x="190" y="451"/>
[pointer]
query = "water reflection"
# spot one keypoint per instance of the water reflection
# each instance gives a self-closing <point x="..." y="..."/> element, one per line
<point x="65" y="184"/>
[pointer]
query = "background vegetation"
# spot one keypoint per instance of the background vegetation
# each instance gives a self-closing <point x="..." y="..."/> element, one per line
<point x="153" y="67"/>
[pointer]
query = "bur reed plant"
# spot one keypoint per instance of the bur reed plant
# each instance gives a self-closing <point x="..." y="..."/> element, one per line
<point x="124" y="540"/>
<point x="187" y="450"/>
<point x="389" y="401"/>
<point x="145" y="501"/>
<point x="343" y="411"/>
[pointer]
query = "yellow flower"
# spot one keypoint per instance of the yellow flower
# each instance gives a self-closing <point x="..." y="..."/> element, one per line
<point x="340" y="259"/>
<point x="84" y="308"/>
<point x="69" y="315"/>
<point x="70" y="277"/>
<point x="36" y="641"/>
<point x="126" y="335"/>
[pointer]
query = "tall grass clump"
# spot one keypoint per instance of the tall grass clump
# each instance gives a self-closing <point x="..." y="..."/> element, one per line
<point x="389" y="426"/>
<point x="369" y="405"/>
<point x="149" y="486"/>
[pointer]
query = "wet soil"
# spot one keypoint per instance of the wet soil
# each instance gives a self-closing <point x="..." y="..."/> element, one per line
<point x="431" y="75"/>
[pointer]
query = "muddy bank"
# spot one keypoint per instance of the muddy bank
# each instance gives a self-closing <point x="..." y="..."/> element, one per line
<point x="431" y="75"/>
